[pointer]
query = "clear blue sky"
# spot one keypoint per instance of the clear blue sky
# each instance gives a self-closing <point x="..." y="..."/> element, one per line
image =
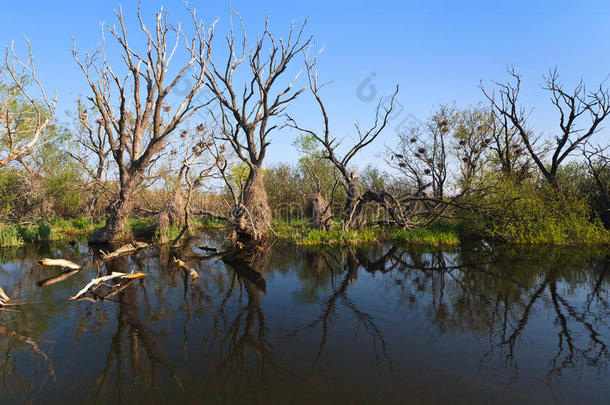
<point x="437" y="50"/>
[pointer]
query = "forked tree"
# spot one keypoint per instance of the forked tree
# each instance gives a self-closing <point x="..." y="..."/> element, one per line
<point x="351" y="183"/>
<point x="250" y="111"/>
<point x="581" y="112"/>
<point x="137" y="113"/>
<point x="24" y="116"/>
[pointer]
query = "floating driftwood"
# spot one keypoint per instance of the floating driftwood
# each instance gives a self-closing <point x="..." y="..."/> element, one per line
<point x="124" y="250"/>
<point x="59" y="263"/>
<point x="61" y="277"/>
<point x="208" y="249"/>
<point x="3" y="297"/>
<point x="96" y="282"/>
<point x="188" y="269"/>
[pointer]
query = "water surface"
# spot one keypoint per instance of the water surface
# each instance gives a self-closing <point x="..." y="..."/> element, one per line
<point x="382" y="324"/>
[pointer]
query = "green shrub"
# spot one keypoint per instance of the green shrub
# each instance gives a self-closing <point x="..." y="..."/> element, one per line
<point x="10" y="236"/>
<point x="28" y="233"/>
<point x="44" y="232"/>
<point x="527" y="213"/>
<point x="82" y="223"/>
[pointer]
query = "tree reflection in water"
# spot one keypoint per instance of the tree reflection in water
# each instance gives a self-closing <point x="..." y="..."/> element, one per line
<point x="226" y="337"/>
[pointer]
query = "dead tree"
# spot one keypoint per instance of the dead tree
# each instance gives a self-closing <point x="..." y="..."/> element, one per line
<point x="91" y="152"/>
<point x="351" y="183"/>
<point x="247" y="114"/>
<point x="23" y="116"/>
<point x="134" y="106"/>
<point x="581" y="113"/>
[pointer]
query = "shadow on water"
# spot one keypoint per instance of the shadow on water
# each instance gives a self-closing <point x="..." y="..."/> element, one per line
<point x="381" y="324"/>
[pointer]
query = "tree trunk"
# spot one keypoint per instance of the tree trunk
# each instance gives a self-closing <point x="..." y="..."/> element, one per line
<point x="318" y="212"/>
<point x="352" y="206"/>
<point x="252" y="218"/>
<point x="117" y="215"/>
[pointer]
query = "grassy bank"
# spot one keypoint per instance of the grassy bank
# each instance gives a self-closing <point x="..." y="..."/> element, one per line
<point x="445" y="233"/>
<point x="66" y="230"/>
<point x="299" y="232"/>
<point x="49" y="230"/>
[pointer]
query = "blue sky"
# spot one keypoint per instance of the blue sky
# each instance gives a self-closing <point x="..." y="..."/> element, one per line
<point x="438" y="51"/>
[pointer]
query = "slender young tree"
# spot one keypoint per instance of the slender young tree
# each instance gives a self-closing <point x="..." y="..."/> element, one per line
<point x="249" y="112"/>
<point x="137" y="112"/>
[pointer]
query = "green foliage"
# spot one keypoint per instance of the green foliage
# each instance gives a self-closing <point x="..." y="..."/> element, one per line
<point x="531" y="214"/>
<point x="169" y="234"/>
<point x="10" y="237"/>
<point x="141" y="227"/>
<point x="423" y="236"/>
<point x="338" y="237"/>
<point x="10" y="202"/>
<point x="284" y="190"/>
<point x="44" y="232"/>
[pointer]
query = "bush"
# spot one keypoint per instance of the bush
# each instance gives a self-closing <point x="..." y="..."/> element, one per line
<point x="10" y="236"/>
<point x="44" y="232"/>
<point x="532" y="214"/>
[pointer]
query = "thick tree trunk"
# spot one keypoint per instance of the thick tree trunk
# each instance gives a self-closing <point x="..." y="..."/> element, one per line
<point x="117" y="215"/>
<point x="318" y="212"/>
<point x="252" y="218"/>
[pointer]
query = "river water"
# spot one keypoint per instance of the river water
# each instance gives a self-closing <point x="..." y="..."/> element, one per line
<point x="382" y="324"/>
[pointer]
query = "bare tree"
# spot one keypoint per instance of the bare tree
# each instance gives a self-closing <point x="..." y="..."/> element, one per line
<point x="507" y="149"/>
<point x="134" y="106"/>
<point x="351" y="183"/>
<point x="23" y="116"/>
<point x="422" y="152"/>
<point x="574" y="108"/>
<point x="91" y="152"/>
<point x="247" y="116"/>
<point x="474" y="135"/>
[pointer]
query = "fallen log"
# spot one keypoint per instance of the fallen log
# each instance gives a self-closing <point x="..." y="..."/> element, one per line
<point x="124" y="250"/>
<point x="3" y="297"/>
<point x="98" y="281"/>
<point x="59" y="263"/>
<point x="188" y="269"/>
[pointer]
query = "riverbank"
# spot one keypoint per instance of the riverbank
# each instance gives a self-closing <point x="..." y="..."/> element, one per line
<point x="297" y="231"/>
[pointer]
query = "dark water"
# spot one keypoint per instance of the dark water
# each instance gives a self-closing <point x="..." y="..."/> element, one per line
<point x="378" y="325"/>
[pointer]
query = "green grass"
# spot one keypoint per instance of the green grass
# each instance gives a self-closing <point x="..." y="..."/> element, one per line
<point x="422" y="236"/>
<point x="338" y="237"/>
<point x="441" y="233"/>
<point x="141" y="227"/>
<point x="171" y="233"/>
<point x="46" y="230"/>
<point x="10" y="236"/>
